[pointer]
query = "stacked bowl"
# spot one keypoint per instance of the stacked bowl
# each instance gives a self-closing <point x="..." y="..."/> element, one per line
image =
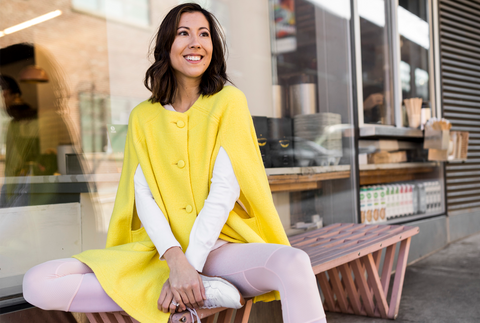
<point x="318" y="139"/>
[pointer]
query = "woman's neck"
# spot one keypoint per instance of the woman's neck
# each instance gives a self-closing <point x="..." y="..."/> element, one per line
<point x="186" y="96"/>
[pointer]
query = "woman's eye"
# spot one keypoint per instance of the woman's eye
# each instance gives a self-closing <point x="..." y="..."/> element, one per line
<point x="205" y="34"/>
<point x="183" y="33"/>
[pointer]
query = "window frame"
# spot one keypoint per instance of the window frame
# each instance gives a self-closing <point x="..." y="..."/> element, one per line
<point x="104" y="15"/>
<point x="395" y="58"/>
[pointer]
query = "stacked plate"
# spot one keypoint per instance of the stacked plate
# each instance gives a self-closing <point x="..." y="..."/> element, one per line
<point x="318" y="134"/>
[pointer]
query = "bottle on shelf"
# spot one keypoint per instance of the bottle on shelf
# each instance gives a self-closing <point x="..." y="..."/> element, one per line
<point x="381" y="203"/>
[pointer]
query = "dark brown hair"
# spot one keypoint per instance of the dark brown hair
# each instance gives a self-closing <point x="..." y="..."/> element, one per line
<point x="160" y="77"/>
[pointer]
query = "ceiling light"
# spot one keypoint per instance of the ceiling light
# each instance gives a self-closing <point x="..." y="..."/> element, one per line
<point x="31" y="22"/>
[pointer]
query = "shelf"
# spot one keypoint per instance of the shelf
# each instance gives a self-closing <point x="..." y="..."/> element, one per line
<point x="52" y="179"/>
<point x="391" y="132"/>
<point x="306" y="170"/>
<point x="398" y="165"/>
<point x="389" y="173"/>
<point x="402" y="145"/>
<point x="304" y="178"/>
<point x="411" y="218"/>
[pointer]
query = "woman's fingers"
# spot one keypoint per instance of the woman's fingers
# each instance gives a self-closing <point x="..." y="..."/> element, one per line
<point x="185" y="299"/>
<point x="191" y="299"/>
<point x="198" y="292"/>
<point x="164" y="304"/>
<point x="163" y="297"/>
<point x="173" y="306"/>
<point x="181" y="305"/>
<point x="202" y="288"/>
<point x="187" y="295"/>
<point x="166" y="301"/>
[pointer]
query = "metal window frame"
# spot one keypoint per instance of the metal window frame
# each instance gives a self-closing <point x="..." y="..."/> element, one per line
<point x="358" y="62"/>
<point x="436" y="86"/>
<point x="391" y="21"/>
<point x="396" y="59"/>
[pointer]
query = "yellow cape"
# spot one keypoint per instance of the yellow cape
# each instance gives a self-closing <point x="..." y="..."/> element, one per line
<point x="177" y="152"/>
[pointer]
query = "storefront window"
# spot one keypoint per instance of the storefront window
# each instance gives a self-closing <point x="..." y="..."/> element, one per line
<point x="129" y="11"/>
<point x="72" y="71"/>
<point x="414" y="47"/>
<point x="376" y="61"/>
<point x="395" y="61"/>
<point x="307" y="131"/>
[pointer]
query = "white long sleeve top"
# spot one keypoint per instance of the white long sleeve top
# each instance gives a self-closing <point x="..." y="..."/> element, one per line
<point x="224" y="192"/>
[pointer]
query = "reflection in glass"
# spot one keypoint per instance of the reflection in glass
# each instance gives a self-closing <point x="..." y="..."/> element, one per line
<point x="415" y="43"/>
<point x="376" y="62"/>
<point x="34" y="127"/>
<point x="129" y="11"/>
<point x="312" y="78"/>
<point x="22" y="156"/>
<point x="312" y="95"/>
<point x="405" y="76"/>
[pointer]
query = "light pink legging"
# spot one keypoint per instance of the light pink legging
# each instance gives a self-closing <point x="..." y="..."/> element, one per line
<point x="70" y="285"/>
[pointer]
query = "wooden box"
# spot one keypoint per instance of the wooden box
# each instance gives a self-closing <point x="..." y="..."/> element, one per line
<point x="436" y="139"/>
<point x="384" y="157"/>
<point x="438" y="155"/>
<point x="458" y="148"/>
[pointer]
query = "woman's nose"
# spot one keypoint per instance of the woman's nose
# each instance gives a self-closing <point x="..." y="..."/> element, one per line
<point x="194" y="42"/>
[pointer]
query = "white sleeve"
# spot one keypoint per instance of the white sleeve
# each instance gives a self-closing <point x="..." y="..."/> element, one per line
<point x="152" y="218"/>
<point x="221" y="199"/>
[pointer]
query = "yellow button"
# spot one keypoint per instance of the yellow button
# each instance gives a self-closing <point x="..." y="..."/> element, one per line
<point x="189" y="209"/>
<point x="180" y="124"/>
<point x="181" y="164"/>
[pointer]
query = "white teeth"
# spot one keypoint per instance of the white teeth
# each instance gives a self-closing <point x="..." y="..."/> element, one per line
<point x="193" y="58"/>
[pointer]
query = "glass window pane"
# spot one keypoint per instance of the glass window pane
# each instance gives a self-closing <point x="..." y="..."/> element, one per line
<point x="90" y="5"/>
<point x="376" y="62"/>
<point x="415" y="44"/>
<point x="312" y="86"/>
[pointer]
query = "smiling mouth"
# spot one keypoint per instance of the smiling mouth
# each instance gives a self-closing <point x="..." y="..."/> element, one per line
<point x="193" y="58"/>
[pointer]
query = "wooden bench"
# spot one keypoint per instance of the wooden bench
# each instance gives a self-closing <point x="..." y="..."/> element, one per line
<point x="207" y="316"/>
<point x="346" y="260"/>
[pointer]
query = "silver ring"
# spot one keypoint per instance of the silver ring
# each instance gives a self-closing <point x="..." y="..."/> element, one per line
<point x="175" y="303"/>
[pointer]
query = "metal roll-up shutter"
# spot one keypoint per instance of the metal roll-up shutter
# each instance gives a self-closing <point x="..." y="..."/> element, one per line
<point x="460" y="60"/>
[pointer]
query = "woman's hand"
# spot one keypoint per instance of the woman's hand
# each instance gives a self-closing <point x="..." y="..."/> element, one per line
<point x="184" y="286"/>
<point x="373" y="100"/>
<point x="166" y="299"/>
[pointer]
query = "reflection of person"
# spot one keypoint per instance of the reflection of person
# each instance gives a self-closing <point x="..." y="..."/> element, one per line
<point x="22" y="134"/>
<point x="193" y="197"/>
<point x="373" y="100"/>
<point x="22" y="143"/>
<point x="373" y="105"/>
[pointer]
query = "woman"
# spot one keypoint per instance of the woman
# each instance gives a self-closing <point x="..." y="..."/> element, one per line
<point x="22" y="156"/>
<point x="194" y="193"/>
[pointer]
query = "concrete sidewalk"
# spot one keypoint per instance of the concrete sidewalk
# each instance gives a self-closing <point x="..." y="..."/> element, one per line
<point x="442" y="288"/>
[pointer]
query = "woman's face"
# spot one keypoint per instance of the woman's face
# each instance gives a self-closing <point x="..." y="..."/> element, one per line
<point x="192" y="48"/>
<point x="9" y="97"/>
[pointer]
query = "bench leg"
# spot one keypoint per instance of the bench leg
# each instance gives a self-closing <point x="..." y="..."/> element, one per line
<point x="111" y="317"/>
<point x="91" y="318"/>
<point x="225" y="316"/>
<point x="339" y="290"/>
<point x="363" y="287"/>
<point x="387" y="268"/>
<point x="352" y="291"/>
<point x="327" y="292"/>
<point x="243" y="313"/>
<point x="376" y="285"/>
<point x="399" y="277"/>
<point x="209" y="319"/>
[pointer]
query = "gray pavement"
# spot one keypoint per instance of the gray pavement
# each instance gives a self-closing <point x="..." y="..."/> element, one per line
<point x="442" y="288"/>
